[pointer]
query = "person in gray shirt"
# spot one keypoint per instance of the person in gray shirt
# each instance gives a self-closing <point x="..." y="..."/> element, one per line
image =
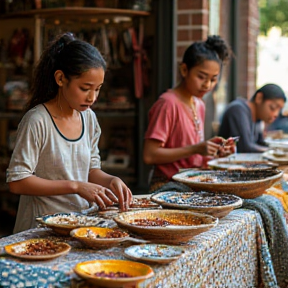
<point x="55" y="165"/>
<point x="244" y="118"/>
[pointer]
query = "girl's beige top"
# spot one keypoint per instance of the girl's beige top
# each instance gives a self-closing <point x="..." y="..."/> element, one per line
<point x="42" y="150"/>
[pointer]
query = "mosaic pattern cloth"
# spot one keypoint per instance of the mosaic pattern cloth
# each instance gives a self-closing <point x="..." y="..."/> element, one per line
<point x="272" y="236"/>
<point x="15" y="275"/>
<point x="225" y="256"/>
<point x="272" y="240"/>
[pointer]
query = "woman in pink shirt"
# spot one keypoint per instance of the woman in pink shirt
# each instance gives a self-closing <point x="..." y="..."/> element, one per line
<point x="175" y="135"/>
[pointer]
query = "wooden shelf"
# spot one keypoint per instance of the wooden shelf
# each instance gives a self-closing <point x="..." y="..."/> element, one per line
<point x="40" y="20"/>
<point x="74" y="11"/>
<point x="11" y="115"/>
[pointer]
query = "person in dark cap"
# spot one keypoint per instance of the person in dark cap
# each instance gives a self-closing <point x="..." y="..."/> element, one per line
<point x="245" y="118"/>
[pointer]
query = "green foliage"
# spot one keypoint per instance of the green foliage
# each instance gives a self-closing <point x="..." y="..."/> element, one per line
<point x="273" y="13"/>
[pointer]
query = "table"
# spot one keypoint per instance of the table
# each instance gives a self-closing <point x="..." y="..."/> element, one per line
<point x="224" y="256"/>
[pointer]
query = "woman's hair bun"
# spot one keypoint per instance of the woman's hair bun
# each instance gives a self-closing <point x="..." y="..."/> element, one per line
<point x="217" y="44"/>
<point x="61" y="41"/>
<point x="67" y="37"/>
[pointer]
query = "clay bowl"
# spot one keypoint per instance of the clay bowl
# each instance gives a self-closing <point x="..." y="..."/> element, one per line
<point x="183" y="225"/>
<point x="137" y="272"/>
<point x="39" y="249"/>
<point x="64" y="223"/>
<point x="245" y="184"/>
<point x="98" y="238"/>
<point x="217" y="205"/>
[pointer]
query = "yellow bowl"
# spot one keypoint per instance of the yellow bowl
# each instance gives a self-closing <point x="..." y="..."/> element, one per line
<point x="18" y="249"/>
<point x="138" y="271"/>
<point x="102" y="242"/>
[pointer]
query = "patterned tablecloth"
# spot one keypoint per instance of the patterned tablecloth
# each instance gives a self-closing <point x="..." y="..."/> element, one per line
<point x="225" y="256"/>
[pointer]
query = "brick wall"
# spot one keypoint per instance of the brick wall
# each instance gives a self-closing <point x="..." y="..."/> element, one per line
<point x="246" y="55"/>
<point x="192" y="23"/>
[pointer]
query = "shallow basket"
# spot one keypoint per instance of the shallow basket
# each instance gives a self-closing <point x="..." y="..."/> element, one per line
<point x="65" y="229"/>
<point x="228" y="164"/>
<point x="245" y="184"/>
<point x="171" y="234"/>
<point x="218" y="211"/>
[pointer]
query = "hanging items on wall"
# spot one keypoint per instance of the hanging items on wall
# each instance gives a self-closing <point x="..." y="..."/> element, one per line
<point x="141" y="61"/>
<point x="137" y="46"/>
<point x="18" y="53"/>
<point x="17" y="94"/>
<point x="121" y="44"/>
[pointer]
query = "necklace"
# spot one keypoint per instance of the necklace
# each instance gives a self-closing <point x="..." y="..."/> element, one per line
<point x="196" y="121"/>
<point x="58" y="117"/>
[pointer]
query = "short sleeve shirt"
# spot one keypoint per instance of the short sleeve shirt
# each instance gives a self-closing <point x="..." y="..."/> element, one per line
<point x="237" y="121"/>
<point x="172" y="123"/>
<point x="42" y="150"/>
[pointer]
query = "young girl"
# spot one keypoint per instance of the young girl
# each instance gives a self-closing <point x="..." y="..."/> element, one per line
<point x="174" y="138"/>
<point x="244" y="118"/>
<point x="55" y="165"/>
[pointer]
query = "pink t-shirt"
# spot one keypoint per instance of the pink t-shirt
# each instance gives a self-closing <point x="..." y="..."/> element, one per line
<point x="172" y="122"/>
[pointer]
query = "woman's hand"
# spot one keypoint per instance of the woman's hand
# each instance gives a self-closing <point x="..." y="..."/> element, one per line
<point x="228" y="148"/>
<point x="217" y="147"/>
<point x="209" y="147"/>
<point x="123" y="193"/>
<point x="114" y="185"/>
<point x="102" y="196"/>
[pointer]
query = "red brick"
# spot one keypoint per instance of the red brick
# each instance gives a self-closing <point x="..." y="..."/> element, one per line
<point x="199" y="34"/>
<point x="205" y="4"/>
<point x="205" y="19"/>
<point x="190" y="4"/>
<point x="184" y="35"/>
<point x="197" y="19"/>
<point x="184" y="19"/>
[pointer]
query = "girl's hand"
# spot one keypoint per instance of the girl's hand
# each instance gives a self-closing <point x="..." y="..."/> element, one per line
<point x="210" y="147"/>
<point x="102" y="196"/>
<point x="123" y="193"/>
<point x="228" y="147"/>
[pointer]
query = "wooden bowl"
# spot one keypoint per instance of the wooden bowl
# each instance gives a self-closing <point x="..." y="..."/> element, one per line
<point x="38" y="245"/>
<point x="245" y="184"/>
<point x="228" y="164"/>
<point x="87" y="235"/>
<point x="64" y="223"/>
<point x="138" y="271"/>
<point x="97" y="238"/>
<point x="217" y="205"/>
<point x="184" y="224"/>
